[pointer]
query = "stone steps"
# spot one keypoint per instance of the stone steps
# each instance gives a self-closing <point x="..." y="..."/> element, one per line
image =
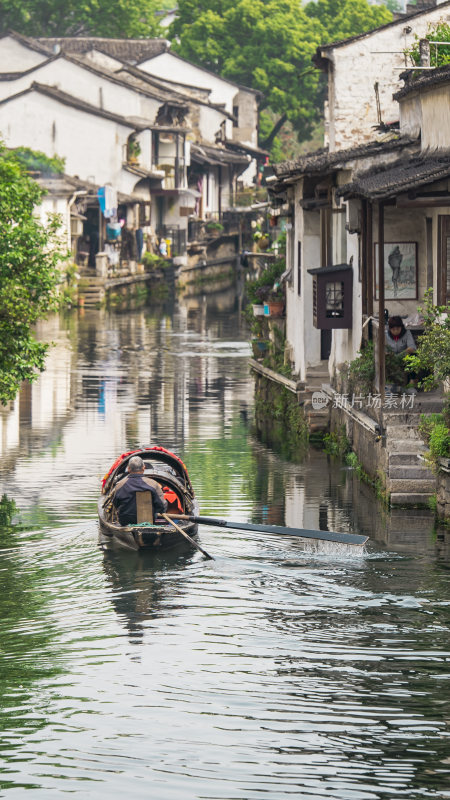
<point x="405" y="459"/>
<point x="409" y="481"/>
<point x="410" y="499"/>
<point x="92" y="290"/>
<point x="402" y="432"/>
<point x="420" y="485"/>
<point x="405" y="446"/>
<point x="403" y="417"/>
<point x="408" y="472"/>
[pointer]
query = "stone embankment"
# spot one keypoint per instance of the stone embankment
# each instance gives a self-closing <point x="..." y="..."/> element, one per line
<point x="388" y="446"/>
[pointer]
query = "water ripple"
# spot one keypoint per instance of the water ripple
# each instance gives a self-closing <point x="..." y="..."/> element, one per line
<point x="282" y="669"/>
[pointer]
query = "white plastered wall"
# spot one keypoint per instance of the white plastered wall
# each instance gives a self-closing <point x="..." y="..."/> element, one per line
<point x="169" y="66"/>
<point x="358" y="65"/>
<point x="16" y="57"/>
<point x="345" y="343"/>
<point x="92" y="146"/>
<point x="210" y="120"/>
<point x="302" y="336"/>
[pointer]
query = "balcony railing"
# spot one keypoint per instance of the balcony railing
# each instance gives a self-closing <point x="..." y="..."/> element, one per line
<point x="176" y="237"/>
<point x="205" y="229"/>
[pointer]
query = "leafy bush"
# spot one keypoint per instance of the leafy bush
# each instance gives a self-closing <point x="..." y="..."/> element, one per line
<point x="427" y="423"/>
<point x="268" y="278"/>
<point x="435" y="432"/>
<point x="433" y="348"/>
<point x="395" y="368"/>
<point x="212" y="227"/>
<point x="361" y="371"/>
<point x="153" y="261"/>
<point x="262" y="292"/>
<point x="336" y="443"/>
<point x="35" y="161"/>
<point x="446" y="410"/>
<point x="439" y="442"/>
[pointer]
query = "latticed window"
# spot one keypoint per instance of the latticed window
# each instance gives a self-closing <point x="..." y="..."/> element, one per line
<point x="334" y="297"/>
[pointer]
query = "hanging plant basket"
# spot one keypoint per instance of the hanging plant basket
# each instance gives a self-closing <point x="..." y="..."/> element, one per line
<point x="263" y="243"/>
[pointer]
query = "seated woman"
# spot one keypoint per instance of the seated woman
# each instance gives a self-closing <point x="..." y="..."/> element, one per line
<point x="399" y="343"/>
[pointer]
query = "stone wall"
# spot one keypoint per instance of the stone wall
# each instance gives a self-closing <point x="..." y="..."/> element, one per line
<point x="369" y="447"/>
<point x="443" y="493"/>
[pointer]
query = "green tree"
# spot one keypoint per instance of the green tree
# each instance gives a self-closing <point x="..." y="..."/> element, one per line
<point x="123" y="18"/>
<point x="29" y="255"/>
<point x="439" y="56"/>
<point x="344" y="18"/>
<point x="268" y="45"/>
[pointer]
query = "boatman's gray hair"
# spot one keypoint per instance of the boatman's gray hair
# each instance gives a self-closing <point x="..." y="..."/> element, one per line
<point x="135" y="464"/>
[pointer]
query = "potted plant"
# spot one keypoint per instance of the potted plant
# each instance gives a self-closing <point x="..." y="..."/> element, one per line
<point x="259" y="236"/>
<point x="261" y="295"/>
<point x="260" y="347"/>
<point x="133" y="150"/>
<point x="275" y="303"/>
<point x="264" y="242"/>
<point x="215" y="228"/>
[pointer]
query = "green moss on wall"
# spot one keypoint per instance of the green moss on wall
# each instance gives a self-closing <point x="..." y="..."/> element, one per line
<point x="279" y="420"/>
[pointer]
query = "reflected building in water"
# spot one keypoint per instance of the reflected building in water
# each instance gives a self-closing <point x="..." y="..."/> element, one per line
<point x="35" y="417"/>
<point x="114" y="381"/>
<point x="180" y="379"/>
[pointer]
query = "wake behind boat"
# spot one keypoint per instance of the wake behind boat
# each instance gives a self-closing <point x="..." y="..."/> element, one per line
<point x="150" y="531"/>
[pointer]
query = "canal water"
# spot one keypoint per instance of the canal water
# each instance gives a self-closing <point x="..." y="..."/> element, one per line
<point x="277" y="670"/>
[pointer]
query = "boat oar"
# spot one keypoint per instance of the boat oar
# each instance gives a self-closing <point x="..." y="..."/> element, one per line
<point x="186" y="536"/>
<point x="303" y="533"/>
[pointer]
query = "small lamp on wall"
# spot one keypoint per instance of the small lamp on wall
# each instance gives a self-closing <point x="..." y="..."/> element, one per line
<point x="332" y="296"/>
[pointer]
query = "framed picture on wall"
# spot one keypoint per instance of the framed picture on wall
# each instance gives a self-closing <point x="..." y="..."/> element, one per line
<point x="400" y="270"/>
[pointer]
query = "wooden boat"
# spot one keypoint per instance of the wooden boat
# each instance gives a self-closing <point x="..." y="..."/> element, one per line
<point x="168" y="470"/>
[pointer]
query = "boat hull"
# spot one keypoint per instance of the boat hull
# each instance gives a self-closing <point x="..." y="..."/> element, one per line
<point x="143" y="537"/>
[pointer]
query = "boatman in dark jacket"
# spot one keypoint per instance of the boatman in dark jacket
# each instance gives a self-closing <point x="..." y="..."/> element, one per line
<point x="125" y="492"/>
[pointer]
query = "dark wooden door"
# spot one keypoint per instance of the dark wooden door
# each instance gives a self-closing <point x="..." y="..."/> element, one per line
<point x="325" y="344"/>
<point x="443" y="286"/>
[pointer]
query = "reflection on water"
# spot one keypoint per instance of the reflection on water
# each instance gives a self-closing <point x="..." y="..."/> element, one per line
<point x="280" y="669"/>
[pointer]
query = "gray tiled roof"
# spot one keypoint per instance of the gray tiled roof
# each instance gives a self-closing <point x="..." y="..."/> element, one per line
<point x="323" y="160"/>
<point x="402" y="176"/>
<point x="207" y="154"/>
<point x="417" y="80"/>
<point x="130" y="50"/>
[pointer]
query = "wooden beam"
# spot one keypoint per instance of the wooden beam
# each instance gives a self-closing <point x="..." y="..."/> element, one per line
<point x="363" y="257"/>
<point x="423" y="202"/>
<point x="370" y="281"/>
<point x="381" y="302"/>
